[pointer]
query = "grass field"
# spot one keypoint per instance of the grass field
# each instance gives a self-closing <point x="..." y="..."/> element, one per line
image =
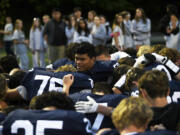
<point x="3" y="53"/>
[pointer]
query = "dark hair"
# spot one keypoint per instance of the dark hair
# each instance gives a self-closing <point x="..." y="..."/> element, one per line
<point x="131" y="51"/>
<point x="56" y="10"/>
<point x="143" y="16"/>
<point x="112" y="49"/>
<point x="86" y="48"/>
<point x="68" y="18"/>
<point x="124" y="14"/>
<point x="116" y="23"/>
<point x="101" y="49"/>
<point x="70" y="50"/>
<point x="8" y="63"/>
<point x="77" y="9"/>
<point x="3" y="85"/>
<point x="102" y="87"/>
<point x="16" y="78"/>
<point x="119" y="71"/>
<point x="79" y="29"/>
<point x="172" y="9"/>
<point x="155" y="83"/>
<point x="56" y="99"/>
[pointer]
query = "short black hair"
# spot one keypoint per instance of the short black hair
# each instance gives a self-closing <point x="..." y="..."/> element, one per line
<point x="101" y="49"/>
<point x="112" y="49"/>
<point x="53" y="98"/>
<point x="77" y="9"/>
<point x="56" y="10"/>
<point x="86" y="48"/>
<point x="70" y="50"/>
<point x="131" y="51"/>
<point x="16" y="78"/>
<point x="8" y="63"/>
<point x="102" y="87"/>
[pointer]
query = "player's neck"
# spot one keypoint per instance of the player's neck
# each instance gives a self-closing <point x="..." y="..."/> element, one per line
<point x="158" y="102"/>
<point x="132" y="129"/>
<point x="99" y="93"/>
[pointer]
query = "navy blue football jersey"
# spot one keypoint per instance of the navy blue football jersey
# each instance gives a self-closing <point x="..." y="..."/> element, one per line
<point x="161" y="67"/>
<point x="169" y="116"/>
<point x="174" y="95"/>
<point x="98" y="120"/>
<point x="38" y="81"/>
<point x="40" y="122"/>
<point x="2" y="116"/>
<point x="101" y="71"/>
<point x="62" y="62"/>
<point x="157" y="132"/>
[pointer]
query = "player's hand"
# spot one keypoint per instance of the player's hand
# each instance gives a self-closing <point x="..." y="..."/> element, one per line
<point x="89" y="106"/>
<point x="68" y="80"/>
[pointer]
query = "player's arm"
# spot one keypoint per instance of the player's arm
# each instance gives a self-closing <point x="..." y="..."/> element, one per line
<point x="175" y="70"/>
<point x="91" y="106"/>
<point x="67" y="82"/>
<point x="119" y="84"/>
<point x="17" y="93"/>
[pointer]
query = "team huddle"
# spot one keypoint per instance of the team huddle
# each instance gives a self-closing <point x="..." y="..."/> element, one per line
<point x="93" y="90"/>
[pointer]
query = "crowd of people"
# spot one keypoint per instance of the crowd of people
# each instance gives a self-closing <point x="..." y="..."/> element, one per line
<point x="99" y="80"/>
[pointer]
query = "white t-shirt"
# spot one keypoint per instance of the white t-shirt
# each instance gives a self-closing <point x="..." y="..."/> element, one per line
<point x="8" y="28"/>
<point x="120" y="37"/>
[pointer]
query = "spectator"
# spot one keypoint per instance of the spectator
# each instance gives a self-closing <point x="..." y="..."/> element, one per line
<point x="8" y="34"/>
<point x="141" y="26"/>
<point x="128" y="29"/>
<point x="172" y="33"/>
<point x="164" y="21"/>
<point x="118" y="32"/>
<point x="90" y="20"/>
<point x="54" y="33"/>
<point x="20" y="45"/>
<point x="98" y="32"/>
<point x="37" y="45"/>
<point x="82" y="33"/>
<point x="78" y="14"/>
<point x="70" y="29"/>
<point x="45" y="19"/>
<point x="108" y="29"/>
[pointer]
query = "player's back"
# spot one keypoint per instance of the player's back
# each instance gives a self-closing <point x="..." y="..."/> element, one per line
<point x="98" y="120"/>
<point x="39" y="122"/>
<point x="38" y="82"/>
<point x="169" y="116"/>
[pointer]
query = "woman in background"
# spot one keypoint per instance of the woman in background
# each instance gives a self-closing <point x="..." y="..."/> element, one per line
<point x="98" y="32"/>
<point x="70" y="29"/>
<point x="172" y="33"/>
<point x="37" y="45"/>
<point x="90" y="20"/>
<point x="118" y="32"/>
<point x="82" y="33"/>
<point x="141" y="28"/>
<point x="128" y="40"/>
<point x="20" y="45"/>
